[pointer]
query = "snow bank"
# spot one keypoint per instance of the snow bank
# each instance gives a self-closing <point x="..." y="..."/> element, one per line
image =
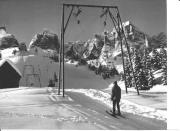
<point x="126" y="106"/>
<point x="159" y="88"/>
<point x="155" y="89"/>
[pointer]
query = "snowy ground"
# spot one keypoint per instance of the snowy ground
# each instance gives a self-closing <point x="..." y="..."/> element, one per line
<point x="42" y="108"/>
<point x="126" y="106"/>
<point x="39" y="108"/>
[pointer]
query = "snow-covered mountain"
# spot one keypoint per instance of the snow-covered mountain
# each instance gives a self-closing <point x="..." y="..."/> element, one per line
<point x="105" y="47"/>
<point x="7" y="40"/>
<point x="75" y="49"/>
<point x="45" y="40"/>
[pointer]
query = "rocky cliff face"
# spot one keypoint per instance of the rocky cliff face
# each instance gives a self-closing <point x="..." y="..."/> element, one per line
<point x="98" y="47"/>
<point x="7" y="40"/>
<point x="74" y="49"/>
<point x="93" y="47"/>
<point x="45" y="40"/>
<point x="105" y="47"/>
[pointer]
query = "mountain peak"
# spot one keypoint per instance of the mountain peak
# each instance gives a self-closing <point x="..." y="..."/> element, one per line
<point x="45" y="40"/>
<point x="7" y="40"/>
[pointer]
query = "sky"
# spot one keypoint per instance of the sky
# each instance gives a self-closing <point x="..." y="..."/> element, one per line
<point x="25" y="18"/>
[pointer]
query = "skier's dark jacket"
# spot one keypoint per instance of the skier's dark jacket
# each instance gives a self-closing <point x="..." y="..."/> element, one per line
<point x="116" y="93"/>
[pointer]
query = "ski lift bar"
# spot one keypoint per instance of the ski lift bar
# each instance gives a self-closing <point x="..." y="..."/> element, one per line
<point x="63" y="29"/>
<point x="95" y="6"/>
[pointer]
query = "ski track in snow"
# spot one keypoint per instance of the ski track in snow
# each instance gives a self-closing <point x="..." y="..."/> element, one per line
<point x="126" y="106"/>
<point x="76" y="118"/>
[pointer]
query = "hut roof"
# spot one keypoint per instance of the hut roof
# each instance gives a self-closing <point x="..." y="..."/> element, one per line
<point x="12" y="64"/>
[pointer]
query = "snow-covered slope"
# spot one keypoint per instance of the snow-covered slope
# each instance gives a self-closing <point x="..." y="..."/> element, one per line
<point x="42" y="67"/>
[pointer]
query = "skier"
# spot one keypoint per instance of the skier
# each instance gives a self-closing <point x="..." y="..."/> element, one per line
<point x="116" y="97"/>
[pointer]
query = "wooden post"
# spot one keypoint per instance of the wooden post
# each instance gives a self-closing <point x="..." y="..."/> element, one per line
<point x="60" y="59"/>
<point x="129" y="55"/>
<point x="122" y="52"/>
<point x="63" y="51"/>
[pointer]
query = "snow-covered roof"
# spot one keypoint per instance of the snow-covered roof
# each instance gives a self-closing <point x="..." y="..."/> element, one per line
<point x="8" y="52"/>
<point x="12" y="64"/>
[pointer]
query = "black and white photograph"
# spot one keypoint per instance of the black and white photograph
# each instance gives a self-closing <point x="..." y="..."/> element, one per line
<point x="83" y="65"/>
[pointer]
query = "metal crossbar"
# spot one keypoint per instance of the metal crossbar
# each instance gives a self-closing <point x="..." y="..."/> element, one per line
<point x="95" y="6"/>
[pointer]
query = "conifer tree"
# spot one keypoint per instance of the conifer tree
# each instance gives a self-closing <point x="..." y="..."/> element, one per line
<point x="148" y="71"/>
<point x="143" y="70"/>
<point x="128" y="74"/>
<point x="164" y="75"/>
<point x="150" y="79"/>
<point x="163" y="55"/>
<point x="138" y="69"/>
<point x="156" y="60"/>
